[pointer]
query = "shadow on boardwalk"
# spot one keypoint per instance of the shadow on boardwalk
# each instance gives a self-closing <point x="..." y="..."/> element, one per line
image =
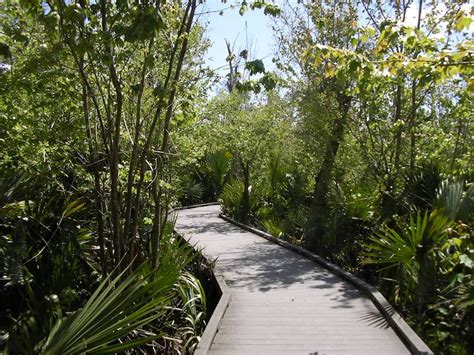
<point x="282" y="302"/>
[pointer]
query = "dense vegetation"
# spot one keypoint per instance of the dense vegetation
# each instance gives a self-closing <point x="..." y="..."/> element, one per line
<point x="89" y="94"/>
<point x="358" y="146"/>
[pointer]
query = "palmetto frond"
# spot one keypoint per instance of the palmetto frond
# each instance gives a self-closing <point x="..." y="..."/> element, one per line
<point x="407" y="243"/>
<point x="118" y="307"/>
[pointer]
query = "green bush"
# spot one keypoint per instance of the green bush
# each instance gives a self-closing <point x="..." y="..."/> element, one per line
<point x="430" y="259"/>
<point x="232" y="199"/>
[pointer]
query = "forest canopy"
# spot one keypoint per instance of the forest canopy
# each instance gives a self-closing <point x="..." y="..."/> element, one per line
<point x="356" y="143"/>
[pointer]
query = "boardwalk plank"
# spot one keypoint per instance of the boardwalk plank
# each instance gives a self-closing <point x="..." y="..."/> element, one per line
<point x="282" y="302"/>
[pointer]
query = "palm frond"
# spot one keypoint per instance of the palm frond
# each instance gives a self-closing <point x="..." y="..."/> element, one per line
<point x="120" y="306"/>
<point x="456" y="201"/>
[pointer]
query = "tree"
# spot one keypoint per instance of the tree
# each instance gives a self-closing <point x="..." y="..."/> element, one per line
<point x="325" y="101"/>
<point x="129" y="59"/>
<point x="249" y="131"/>
<point x="392" y="52"/>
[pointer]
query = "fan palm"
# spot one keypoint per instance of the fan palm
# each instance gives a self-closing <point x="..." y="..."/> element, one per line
<point x="118" y="307"/>
<point x="218" y="165"/>
<point x="455" y="201"/>
<point x="411" y="248"/>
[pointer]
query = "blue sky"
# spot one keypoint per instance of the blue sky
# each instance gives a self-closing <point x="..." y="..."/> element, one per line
<point x="258" y="37"/>
<point x="253" y="31"/>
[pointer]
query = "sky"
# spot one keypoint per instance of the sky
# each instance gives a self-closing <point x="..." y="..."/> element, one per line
<point x="251" y="31"/>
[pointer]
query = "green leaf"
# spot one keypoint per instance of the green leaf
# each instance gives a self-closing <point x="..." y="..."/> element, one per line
<point x="269" y="81"/>
<point x="463" y="22"/>
<point x="118" y="307"/>
<point x="255" y="67"/>
<point x="159" y="91"/>
<point x="466" y="261"/>
<point x="272" y="10"/>
<point x="73" y="207"/>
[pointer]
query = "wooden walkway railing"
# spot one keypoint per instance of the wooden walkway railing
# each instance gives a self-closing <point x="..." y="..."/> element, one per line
<point x="278" y="299"/>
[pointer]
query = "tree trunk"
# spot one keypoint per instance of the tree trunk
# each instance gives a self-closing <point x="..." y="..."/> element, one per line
<point x="388" y="205"/>
<point x="133" y="158"/>
<point x="245" y="210"/>
<point x="94" y="168"/>
<point x="414" y="105"/>
<point x="413" y="126"/>
<point x="114" y="157"/>
<point x="398" y="135"/>
<point x="426" y="284"/>
<point x="97" y="186"/>
<point x="162" y="157"/>
<point x="319" y="209"/>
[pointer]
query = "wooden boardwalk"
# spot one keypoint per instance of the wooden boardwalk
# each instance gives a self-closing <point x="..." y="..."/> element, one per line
<point x="282" y="302"/>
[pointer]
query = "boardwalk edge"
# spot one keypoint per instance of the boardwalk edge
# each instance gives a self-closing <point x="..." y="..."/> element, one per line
<point x="414" y="343"/>
<point x="194" y="206"/>
<point x="212" y="327"/>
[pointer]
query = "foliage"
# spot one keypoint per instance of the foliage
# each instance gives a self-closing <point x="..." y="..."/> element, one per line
<point x="232" y="197"/>
<point x="218" y="166"/>
<point x="407" y="248"/>
<point x="456" y="201"/>
<point x="82" y="127"/>
<point x="447" y="322"/>
<point x="117" y="44"/>
<point x="115" y="309"/>
<point x="123" y="305"/>
<point x="245" y="133"/>
<point x="421" y="186"/>
<point x="272" y="226"/>
<point x="358" y="146"/>
<point x="432" y="262"/>
<point x="47" y="258"/>
<point x="194" y="310"/>
<point x="192" y="193"/>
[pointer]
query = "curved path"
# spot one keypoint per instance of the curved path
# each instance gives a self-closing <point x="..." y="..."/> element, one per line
<point x="282" y="302"/>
